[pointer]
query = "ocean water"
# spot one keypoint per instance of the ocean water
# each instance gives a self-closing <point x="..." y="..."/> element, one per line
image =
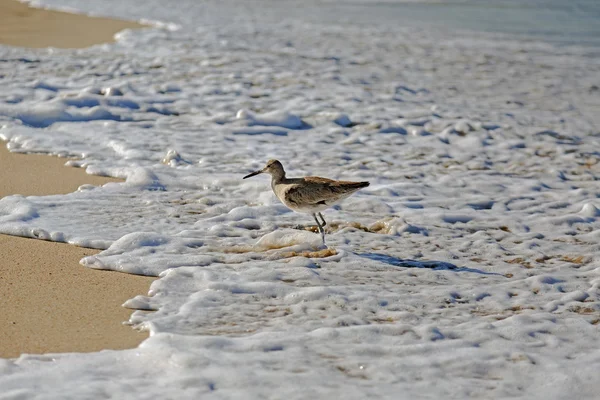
<point x="469" y="267"/>
<point x="557" y="21"/>
<point x="574" y="22"/>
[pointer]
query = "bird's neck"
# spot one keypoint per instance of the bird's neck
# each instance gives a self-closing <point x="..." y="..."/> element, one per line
<point x="277" y="179"/>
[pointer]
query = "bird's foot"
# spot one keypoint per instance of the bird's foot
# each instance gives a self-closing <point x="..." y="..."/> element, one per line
<point x="311" y="228"/>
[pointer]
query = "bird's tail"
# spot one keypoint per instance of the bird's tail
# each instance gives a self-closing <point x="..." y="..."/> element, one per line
<point x="360" y="185"/>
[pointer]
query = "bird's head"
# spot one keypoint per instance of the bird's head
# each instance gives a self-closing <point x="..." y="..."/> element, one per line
<point x="273" y="167"/>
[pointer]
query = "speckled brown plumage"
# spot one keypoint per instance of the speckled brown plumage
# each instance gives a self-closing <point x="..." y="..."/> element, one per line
<point x="311" y="194"/>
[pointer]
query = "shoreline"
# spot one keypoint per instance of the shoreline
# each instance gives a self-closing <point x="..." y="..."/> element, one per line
<point x="50" y="303"/>
<point x="24" y="26"/>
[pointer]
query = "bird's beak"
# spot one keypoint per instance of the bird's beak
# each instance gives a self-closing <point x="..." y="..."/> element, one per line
<point x="254" y="173"/>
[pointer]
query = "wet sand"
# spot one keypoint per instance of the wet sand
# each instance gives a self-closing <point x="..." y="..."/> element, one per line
<point x="48" y="302"/>
<point x="21" y="25"/>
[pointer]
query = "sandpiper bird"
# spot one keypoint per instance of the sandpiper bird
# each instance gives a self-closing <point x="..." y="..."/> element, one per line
<point x="310" y="194"/>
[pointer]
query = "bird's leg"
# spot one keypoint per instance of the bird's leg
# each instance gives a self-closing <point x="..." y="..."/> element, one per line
<point x="318" y="223"/>
<point x="321" y="230"/>
<point x="322" y="220"/>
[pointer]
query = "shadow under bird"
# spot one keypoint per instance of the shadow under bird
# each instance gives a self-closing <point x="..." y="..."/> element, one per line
<point x="310" y="194"/>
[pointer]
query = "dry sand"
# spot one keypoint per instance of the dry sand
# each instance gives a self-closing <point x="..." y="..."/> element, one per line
<point x="48" y="302"/>
<point x="21" y="25"/>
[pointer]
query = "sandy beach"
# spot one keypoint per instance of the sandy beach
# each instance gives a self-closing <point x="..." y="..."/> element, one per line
<point x="21" y="25"/>
<point x="49" y="302"/>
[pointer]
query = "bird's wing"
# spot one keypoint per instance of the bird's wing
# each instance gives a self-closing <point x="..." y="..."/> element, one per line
<point x="317" y="190"/>
<point x="317" y="179"/>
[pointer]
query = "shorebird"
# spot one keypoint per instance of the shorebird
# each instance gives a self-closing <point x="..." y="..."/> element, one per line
<point x="310" y="194"/>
